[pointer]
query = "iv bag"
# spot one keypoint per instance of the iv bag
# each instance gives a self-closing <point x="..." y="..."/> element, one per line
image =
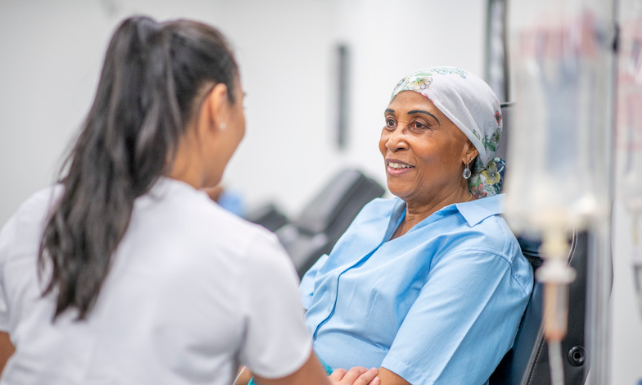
<point x="558" y="154"/>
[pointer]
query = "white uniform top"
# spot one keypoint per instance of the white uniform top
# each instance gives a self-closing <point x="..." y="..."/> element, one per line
<point x="193" y="292"/>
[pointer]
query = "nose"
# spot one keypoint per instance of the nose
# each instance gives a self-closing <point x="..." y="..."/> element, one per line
<point x="396" y="141"/>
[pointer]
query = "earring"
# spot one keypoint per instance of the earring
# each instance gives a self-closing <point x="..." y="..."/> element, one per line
<point x="223" y="126"/>
<point x="467" y="172"/>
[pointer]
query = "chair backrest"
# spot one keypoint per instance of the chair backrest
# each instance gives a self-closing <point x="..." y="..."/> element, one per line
<point x="268" y="216"/>
<point x="527" y="362"/>
<point x="326" y="217"/>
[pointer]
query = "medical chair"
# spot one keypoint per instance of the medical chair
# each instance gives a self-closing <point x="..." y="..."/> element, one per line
<point x="268" y="216"/>
<point x="323" y="220"/>
<point x="326" y="217"/>
<point x="527" y="362"/>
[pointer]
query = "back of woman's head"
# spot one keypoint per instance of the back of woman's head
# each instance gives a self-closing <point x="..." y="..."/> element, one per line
<point x="152" y="79"/>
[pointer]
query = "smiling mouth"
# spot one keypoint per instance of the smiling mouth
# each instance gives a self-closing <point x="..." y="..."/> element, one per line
<point x="398" y="166"/>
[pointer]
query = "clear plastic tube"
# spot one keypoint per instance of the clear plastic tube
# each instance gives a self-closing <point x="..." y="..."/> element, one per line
<point x="555" y="362"/>
<point x="556" y="308"/>
<point x="556" y="276"/>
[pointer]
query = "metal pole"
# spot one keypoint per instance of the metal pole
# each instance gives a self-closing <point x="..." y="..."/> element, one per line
<point x="600" y="266"/>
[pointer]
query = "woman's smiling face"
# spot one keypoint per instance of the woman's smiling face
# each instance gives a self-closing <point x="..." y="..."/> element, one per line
<point x="424" y="152"/>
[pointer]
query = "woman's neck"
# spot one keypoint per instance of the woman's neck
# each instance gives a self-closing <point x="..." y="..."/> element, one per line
<point x="187" y="165"/>
<point x="418" y="210"/>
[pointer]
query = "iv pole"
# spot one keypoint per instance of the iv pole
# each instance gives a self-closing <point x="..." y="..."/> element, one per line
<point x="600" y="267"/>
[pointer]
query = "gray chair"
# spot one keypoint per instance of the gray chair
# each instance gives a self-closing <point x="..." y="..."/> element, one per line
<point x="326" y="217"/>
<point x="323" y="220"/>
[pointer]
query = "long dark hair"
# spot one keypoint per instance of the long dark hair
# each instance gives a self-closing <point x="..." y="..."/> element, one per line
<point x="151" y="77"/>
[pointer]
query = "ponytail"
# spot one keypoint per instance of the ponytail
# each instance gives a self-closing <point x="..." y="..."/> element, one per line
<point x="150" y="79"/>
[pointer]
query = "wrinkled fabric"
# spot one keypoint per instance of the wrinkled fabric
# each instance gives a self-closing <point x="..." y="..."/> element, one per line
<point x="473" y="107"/>
<point x="193" y="292"/>
<point x="439" y="305"/>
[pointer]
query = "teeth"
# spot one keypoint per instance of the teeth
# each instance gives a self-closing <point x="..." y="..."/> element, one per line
<point x="398" y="165"/>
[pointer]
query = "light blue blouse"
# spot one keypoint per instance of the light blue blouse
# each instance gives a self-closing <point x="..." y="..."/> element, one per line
<point x="439" y="305"/>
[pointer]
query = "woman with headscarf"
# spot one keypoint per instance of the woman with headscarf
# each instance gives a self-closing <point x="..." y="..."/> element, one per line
<point x="429" y="286"/>
<point x="126" y="272"/>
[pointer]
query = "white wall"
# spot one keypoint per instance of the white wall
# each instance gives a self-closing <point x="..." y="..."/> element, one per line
<point x="49" y="61"/>
<point x="390" y="39"/>
<point x="51" y="53"/>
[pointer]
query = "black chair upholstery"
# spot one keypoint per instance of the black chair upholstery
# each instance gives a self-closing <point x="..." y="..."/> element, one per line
<point x="527" y="362"/>
<point x="268" y="216"/>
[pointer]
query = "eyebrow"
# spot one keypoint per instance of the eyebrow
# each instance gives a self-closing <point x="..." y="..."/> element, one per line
<point x="423" y="112"/>
<point x="390" y="110"/>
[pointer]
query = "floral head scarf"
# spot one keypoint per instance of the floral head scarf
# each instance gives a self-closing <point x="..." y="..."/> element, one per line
<point x="473" y="107"/>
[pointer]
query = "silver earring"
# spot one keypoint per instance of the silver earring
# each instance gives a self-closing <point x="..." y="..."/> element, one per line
<point x="223" y="126"/>
<point x="467" y="172"/>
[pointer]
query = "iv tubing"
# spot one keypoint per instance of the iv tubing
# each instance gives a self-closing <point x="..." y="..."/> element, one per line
<point x="556" y="275"/>
<point x="556" y="363"/>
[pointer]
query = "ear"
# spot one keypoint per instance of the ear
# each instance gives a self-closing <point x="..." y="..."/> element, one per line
<point x="469" y="153"/>
<point x="214" y="110"/>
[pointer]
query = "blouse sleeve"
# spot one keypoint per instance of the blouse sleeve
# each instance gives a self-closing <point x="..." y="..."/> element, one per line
<point x="462" y="323"/>
<point x="276" y="342"/>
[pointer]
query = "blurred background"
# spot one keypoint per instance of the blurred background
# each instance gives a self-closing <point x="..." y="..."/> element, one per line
<point x="288" y="50"/>
<point x="317" y="73"/>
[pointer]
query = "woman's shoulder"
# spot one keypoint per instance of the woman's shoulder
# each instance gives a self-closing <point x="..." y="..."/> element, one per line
<point x="35" y="208"/>
<point x="19" y="235"/>
<point x="486" y="228"/>
<point x="190" y="213"/>
<point x="176" y="216"/>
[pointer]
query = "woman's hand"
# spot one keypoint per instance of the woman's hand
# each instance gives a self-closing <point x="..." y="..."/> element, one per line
<point x="312" y="373"/>
<point x="355" y="376"/>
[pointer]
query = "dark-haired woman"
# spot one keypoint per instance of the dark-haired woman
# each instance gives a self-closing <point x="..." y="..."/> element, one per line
<point x="125" y="272"/>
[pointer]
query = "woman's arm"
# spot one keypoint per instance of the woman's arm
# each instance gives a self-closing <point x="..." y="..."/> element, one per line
<point x="312" y="373"/>
<point x="463" y="321"/>
<point x="6" y="350"/>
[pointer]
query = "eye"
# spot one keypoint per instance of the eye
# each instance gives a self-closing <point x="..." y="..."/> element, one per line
<point x="390" y="123"/>
<point x="418" y="125"/>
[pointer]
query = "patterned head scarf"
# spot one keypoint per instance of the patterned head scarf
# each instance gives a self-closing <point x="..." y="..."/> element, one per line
<point x="473" y="107"/>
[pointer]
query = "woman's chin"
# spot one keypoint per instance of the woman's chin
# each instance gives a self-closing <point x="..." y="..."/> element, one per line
<point x="397" y="191"/>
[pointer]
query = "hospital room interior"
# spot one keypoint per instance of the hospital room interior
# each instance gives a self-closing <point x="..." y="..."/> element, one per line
<point x="316" y="79"/>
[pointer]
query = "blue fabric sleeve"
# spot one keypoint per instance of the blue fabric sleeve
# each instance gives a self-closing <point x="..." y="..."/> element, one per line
<point x="462" y="323"/>
<point x="306" y="288"/>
